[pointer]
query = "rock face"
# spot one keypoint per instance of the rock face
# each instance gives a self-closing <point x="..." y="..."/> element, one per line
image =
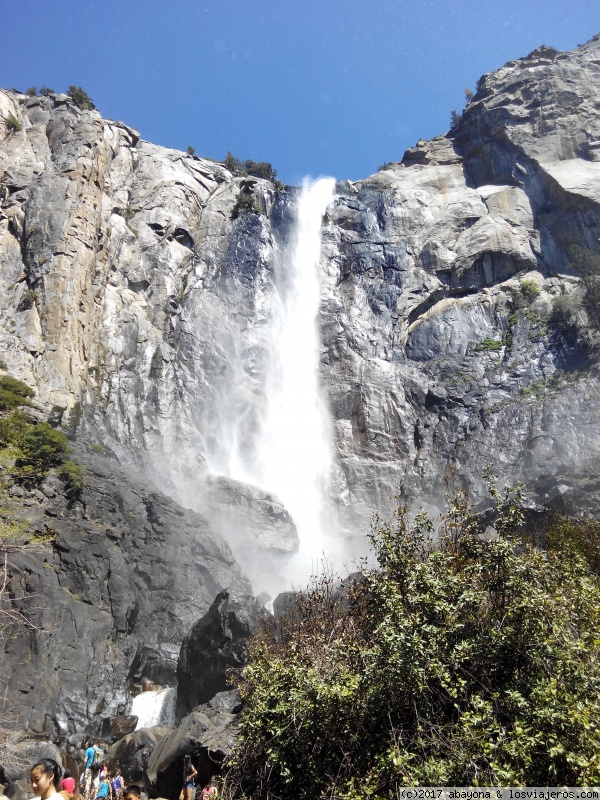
<point x="113" y="586"/>
<point x="215" y="643"/>
<point x="133" y="282"/>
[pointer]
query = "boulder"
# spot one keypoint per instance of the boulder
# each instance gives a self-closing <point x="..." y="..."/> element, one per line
<point x="132" y="753"/>
<point x="216" y="643"/>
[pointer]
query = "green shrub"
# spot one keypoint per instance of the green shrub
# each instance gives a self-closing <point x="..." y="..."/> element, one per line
<point x="73" y="476"/>
<point x="81" y="98"/>
<point x="469" y="662"/>
<point x="42" y="447"/>
<point x="489" y="345"/>
<point x="260" y="169"/>
<point x="563" y="312"/>
<point x="12" y="123"/>
<point x="529" y="290"/>
<point x="244" y="204"/>
<point x="586" y="264"/>
<point x="32" y="91"/>
<point x="468" y="95"/>
<point x="75" y="416"/>
<point x="12" y="428"/>
<point x="46" y="92"/>
<point x="455" y="118"/>
<point x="191" y="151"/>
<point x="233" y="164"/>
<point x="13" y="393"/>
<point x="27" y="300"/>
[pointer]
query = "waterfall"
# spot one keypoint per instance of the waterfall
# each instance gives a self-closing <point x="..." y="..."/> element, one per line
<point x="154" y="708"/>
<point x="293" y="452"/>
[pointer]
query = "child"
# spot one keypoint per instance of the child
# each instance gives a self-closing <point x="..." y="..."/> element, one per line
<point x="117" y="785"/>
<point x="103" y="792"/>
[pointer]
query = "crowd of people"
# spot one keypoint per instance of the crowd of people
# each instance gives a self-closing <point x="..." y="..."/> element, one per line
<point x="49" y="782"/>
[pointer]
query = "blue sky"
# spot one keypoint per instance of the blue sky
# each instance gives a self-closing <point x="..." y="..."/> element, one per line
<point x="320" y="87"/>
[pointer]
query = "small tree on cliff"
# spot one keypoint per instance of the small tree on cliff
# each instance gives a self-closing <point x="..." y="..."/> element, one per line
<point x="81" y="98"/>
<point x="471" y="662"/>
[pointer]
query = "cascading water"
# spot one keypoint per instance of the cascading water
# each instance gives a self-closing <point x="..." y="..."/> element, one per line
<point x="292" y="452"/>
<point x="154" y="708"/>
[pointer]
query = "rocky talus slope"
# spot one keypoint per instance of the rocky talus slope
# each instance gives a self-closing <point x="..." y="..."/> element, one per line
<point x="133" y="283"/>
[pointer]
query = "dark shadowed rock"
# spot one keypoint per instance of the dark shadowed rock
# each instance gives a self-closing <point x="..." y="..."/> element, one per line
<point x="133" y="752"/>
<point x="216" y="642"/>
<point x="122" y="576"/>
<point x="207" y="734"/>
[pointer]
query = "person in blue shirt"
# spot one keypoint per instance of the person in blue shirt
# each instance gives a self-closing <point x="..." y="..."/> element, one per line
<point x="89" y="758"/>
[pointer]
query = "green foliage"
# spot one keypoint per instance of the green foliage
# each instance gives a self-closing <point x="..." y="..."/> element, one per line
<point x="489" y="345"/>
<point x="81" y="98"/>
<point x="12" y="123"/>
<point x="233" y="164"/>
<point x="129" y="212"/>
<point x="529" y="290"/>
<point x="13" y="393"/>
<point x="73" y="476"/>
<point x="243" y="204"/>
<point x="32" y="91"/>
<point x="563" y="313"/>
<point x="75" y="416"/>
<point x="27" y="300"/>
<point x="42" y="447"/>
<point x="586" y="264"/>
<point x="580" y="537"/>
<point x="258" y="169"/>
<point x="470" y="662"/>
<point x="455" y="118"/>
<point x="468" y="95"/>
<point x="191" y="151"/>
<point x="46" y="92"/>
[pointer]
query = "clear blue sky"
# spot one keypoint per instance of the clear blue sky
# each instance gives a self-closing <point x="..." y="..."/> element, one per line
<point x="316" y="87"/>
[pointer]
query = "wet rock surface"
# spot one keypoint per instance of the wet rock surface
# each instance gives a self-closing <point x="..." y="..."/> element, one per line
<point x="216" y="643"/>
<point x="112" y="586"/>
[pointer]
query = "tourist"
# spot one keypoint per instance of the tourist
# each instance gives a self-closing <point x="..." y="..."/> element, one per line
<point x="117" y="785"/>
<point x="45" y="779"/>
<point x="103" y="792"/>
<point x="90" y="757"/>
<point x="189" y="773"/>
<point x="211" y="790"/>
<point x="67" y="783"/>
<point x="132" y="792"/>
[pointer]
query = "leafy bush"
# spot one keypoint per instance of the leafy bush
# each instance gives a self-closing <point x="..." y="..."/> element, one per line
<point x="73" y="476"/>
<point x="529" y="290"/>
<point x="258" y="169"/>
<point x="27" y="300"/>
<point x="81" y="98"/>
<point x="46" y="92"/>
<point x="455" y="118"/>
<point x="13" y="393"/>
<point x="472" y="662"/>
<point x="489" y="345"/>
<point x="244" y="203"/>
<point x="32" y="91"/>
<point x="563" y="312"/>
<point x="233" y="164"/>
<point x="42" y="447"/>
<point x="586" y="264"/>
<point x="191" y="151"/>
<point x="12" y="123"/>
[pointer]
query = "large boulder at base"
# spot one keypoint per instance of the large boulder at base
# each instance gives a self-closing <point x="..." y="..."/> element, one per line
<point x="215" y="643"/>
<point x="206" y="734"/>
<point x="25" y="753"/>
<point x="132" y="753"/>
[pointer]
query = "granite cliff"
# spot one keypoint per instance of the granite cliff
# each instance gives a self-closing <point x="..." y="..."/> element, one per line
<point x="136" y="283"/>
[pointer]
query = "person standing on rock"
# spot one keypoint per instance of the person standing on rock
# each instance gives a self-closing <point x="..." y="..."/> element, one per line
<point x="88" y="759"/>
<point x="189" y="773"/>
<point x="45" y="779"/>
